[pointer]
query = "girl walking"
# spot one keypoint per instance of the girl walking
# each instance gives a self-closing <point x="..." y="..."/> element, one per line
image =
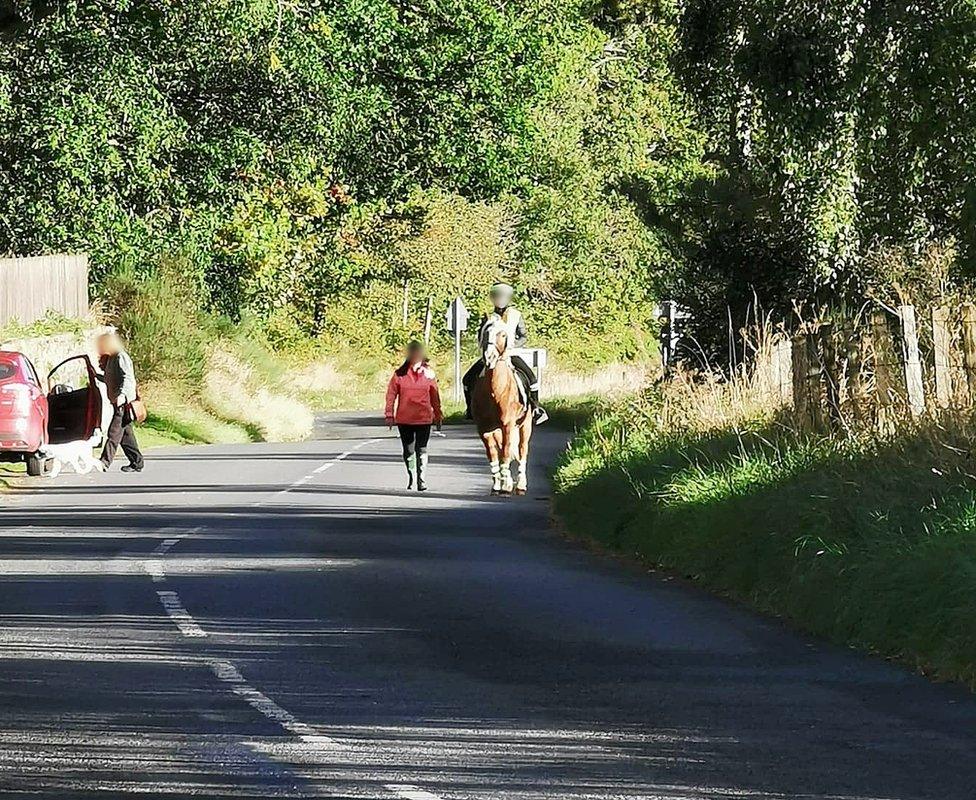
<point x="413" y="403"/>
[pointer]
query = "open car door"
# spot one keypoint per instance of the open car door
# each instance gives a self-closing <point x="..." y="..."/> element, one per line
<point x="75" y="401"/>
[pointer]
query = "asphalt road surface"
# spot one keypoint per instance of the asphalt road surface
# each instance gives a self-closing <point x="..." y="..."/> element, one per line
<point x="287" y="621"/>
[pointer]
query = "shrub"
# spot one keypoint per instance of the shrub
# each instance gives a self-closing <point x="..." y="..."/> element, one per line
<point x="165" y="331"/>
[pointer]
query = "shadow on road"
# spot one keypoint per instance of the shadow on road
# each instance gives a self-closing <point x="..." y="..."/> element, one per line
<point x="444" y="641"/>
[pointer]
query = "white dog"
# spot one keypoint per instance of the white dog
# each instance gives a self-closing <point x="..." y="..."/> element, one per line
<point x="77" y="454"/>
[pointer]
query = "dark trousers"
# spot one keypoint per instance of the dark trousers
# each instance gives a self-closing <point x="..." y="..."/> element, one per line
<point x="120" y="432"/>
<point x="414" y="439"/>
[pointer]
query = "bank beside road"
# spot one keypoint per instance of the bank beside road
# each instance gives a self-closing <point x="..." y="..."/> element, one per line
<point x="866" y="540"/>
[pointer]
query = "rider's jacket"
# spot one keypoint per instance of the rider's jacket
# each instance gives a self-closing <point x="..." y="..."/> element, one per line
<point x="514" y="324"/>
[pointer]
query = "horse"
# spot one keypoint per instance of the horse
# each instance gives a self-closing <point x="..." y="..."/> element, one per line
<point x="503" y="419"/>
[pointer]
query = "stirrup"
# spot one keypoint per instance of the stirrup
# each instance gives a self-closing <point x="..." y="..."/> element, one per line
<point x="539" y="416"/>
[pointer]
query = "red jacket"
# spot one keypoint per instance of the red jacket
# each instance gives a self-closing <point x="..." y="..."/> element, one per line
<point x="415" y="395"/>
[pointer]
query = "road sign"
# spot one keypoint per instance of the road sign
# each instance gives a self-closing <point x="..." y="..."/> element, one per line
<point x="457" y="321"/>
<point x="457" y="316"/>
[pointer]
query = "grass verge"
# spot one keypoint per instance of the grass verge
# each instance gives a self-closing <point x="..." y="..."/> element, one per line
<point x="867" y="541"/>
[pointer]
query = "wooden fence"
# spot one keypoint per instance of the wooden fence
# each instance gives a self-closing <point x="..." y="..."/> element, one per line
<point x="867" y="371"/>
<point x="31" y="287"/>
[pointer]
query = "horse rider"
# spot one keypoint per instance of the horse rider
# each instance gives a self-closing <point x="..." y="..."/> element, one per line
<point x="511" y="318"/>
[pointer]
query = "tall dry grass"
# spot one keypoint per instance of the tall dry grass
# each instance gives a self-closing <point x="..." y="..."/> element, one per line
<point x="609" y="380"/>
<point x="233" y="391"/>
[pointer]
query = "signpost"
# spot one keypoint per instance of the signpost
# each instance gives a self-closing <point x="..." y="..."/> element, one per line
<point x="457" y="321"/>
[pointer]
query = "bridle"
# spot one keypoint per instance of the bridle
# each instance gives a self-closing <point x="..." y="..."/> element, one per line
<point x="500" y="351"/>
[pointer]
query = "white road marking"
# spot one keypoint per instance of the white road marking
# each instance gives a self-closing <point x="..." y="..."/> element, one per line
<point x="166" y="544"/>
<point x="154" y="567"/>
<point x="317" y="471"/>
<point x="228" y="673"/>
<point x="180" y="616"/>
<point x="408" y="792"/>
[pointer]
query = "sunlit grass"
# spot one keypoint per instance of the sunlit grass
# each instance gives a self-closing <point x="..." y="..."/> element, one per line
<point x="864" y="539"/>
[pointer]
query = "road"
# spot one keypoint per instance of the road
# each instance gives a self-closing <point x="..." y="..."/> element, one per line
<point x="287" y="621"/>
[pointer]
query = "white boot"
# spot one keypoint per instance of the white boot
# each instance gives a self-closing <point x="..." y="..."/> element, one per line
<point x="408" y="460"/>
<point x="421" y="471"/>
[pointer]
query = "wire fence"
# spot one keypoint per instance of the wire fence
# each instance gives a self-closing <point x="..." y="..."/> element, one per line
<point x="873" y="369"/>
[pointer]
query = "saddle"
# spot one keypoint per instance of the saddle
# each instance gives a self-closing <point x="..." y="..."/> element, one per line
<point x="523" y="390"/>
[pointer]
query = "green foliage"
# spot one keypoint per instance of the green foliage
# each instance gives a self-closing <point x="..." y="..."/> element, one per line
<point x="836" y="130"/>
<point x="864" y="541"/>
<point x="157" y="315"/>
<point x="51" y="324"/>
<point x="301" y="161"/>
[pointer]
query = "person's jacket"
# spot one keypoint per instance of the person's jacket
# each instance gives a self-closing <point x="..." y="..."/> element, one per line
<point x="511" y="318"/>
<point x="413" y="398"/>
<point x="120" y="378"/>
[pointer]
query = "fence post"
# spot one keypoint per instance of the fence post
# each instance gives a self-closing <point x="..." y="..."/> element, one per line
<point x="814" y="382"/>
<point x="883" y="360"/>
<point x="940" y="342"/>
<point x="854" y="347"/>
<point x="831" y="368"/>
<point x="784" y="368"/>
<point x="969" y="348"/>
<point x="912" y="360"/>
<point x="801" y="405"/>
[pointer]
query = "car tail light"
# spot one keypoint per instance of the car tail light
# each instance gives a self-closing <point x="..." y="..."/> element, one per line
<point x="19" y="397"/>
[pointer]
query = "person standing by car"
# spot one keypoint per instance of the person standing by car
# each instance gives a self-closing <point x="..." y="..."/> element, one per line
<point x="120" y="385"/>
<point x="413" y="403"/>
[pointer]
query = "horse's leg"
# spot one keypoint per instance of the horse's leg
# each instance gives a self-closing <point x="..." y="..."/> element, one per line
<point x="507" y="483"/>
<point x="499" y="441"/>
<point x="491" y="449"/>
<point x="525" y="433"/>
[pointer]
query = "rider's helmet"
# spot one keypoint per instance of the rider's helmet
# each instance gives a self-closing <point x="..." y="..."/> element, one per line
<point x="501" y="295"/>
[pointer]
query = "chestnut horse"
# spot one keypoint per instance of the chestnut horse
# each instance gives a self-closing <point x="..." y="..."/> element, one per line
<point x="504" y="421"/>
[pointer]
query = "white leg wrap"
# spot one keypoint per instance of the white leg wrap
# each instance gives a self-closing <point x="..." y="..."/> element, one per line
<point x="506" y="474"/>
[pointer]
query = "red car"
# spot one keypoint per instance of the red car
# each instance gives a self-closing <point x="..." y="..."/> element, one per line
<point x="31" y="418"/>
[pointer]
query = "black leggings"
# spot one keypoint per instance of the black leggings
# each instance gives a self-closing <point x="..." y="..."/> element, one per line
<point x="414" y="438"/>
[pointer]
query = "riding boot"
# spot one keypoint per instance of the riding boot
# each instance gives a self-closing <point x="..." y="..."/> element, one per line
<point x="539" y="414"/>
<point x="421" y="472"/>
<point x="467" y="404"/>
<point x="408" y="460"/>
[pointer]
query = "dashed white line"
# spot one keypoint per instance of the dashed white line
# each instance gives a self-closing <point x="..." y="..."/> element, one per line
<point x="317" y="471"/>
<point x="260" y="702"/>
<point x="154" y="566"/>
<point x="163" y="547"/>
<point x="230" y="674"/>
<point x="408" y="792"/>
<point x="155" y="570"/>
<point x="180" y="616"/>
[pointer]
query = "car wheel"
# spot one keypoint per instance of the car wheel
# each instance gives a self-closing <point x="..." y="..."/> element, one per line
<point x="35" y="465"/>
